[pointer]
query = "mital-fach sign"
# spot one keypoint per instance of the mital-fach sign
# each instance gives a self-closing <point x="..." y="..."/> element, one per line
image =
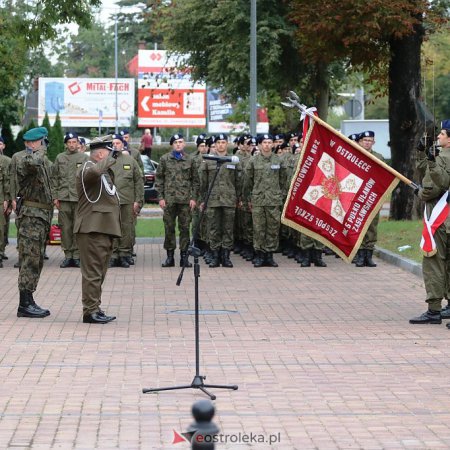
<point x="83" y="102"/>
<point x="167" y="95"/>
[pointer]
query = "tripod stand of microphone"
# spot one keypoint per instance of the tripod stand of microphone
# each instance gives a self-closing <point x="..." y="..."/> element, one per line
<point x="198" y="381"/>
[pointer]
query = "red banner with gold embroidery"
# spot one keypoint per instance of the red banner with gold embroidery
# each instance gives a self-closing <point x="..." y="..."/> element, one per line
<point x="337" y="190"/>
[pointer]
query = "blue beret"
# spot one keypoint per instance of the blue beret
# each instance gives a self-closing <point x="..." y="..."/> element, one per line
<point x="366" y="134"/>
<point x="279" y="136"/>
<point x="70" y="135"/>
<point x="124" y="132"/>
<point x="262" y="137"/>
<point x="291" y="135"/>
<point x="35" y="134"/>
<point x="201" y="139"/>
<point x="354" y="137"/>
<point x="445" y="125"/>
<point x="175" y="137"/>
<point x="251" y="141"/>
<point x="117" y="136"/>
<point x="221" y="137"/>
<point x="82" y="140"/>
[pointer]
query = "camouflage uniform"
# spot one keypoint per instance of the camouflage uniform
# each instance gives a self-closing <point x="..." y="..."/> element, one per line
<point x="33" y="184"/>
<point x="64" y="172"/>
<point x="265" y="178"/>
<point x="221" y="205"/>
<point x="246" y="222"/>
<point x="4" y="197"/>
<point x="130" y="187"/>
<point x="177" y="183"/>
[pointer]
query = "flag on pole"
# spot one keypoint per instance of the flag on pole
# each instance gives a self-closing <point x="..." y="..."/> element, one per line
<point x="337" y="190"/>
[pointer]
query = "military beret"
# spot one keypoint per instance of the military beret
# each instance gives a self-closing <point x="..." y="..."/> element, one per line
<point x="175" y="137"/>
<point x="82" y="140"/>
<point x="295" y="147"/>
<point x="279" y="136"/>
<point x="236" y="140"/>
<point x="366" y="134"/>
<point x="35" y="134"/>
<point x="2" y="140"/>
<point x="291" y="135"/>
<point x="124" y="132"/>
<point x="101" y="142"/>
<point x="70" y="135"/>
<point x="201" y="139"/>
<point x="445" y="125"/>
<point x="354" y="137"/>
<point x="263" y="137"/>
<point x="252" y="141"/>
<point x="221" y="137"/>
<point x="244" y="138"/>
<point x="118" y="136"/>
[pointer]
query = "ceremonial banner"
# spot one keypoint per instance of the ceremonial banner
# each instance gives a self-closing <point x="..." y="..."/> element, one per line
<point x="337" y="189"/>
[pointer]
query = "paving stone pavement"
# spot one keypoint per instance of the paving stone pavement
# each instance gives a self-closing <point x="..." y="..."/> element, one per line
<point x="324" y="358"/>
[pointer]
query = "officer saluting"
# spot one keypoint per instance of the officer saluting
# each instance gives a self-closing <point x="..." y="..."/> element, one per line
<point x="97" y="223"/>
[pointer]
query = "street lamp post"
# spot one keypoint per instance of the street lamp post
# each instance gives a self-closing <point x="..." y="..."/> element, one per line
<point x="253" y="71"/>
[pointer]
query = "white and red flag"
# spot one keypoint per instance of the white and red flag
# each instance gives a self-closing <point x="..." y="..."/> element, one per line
<point x="337" y="190"/>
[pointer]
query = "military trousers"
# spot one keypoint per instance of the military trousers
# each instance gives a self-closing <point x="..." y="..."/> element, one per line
<point x="371" y="236"/>
<point x="123" y="246"/>
<point x="221" y="227"/>
<point x="308" y="243"/>
<point x="266" y="227"/>
<point x="66" y="219"/>
<point x="247" y="226"/>
<point x="32" y="235"/>
<point x="435" y="270"/>
<point x="2" y="234"/>
<point x="172" y="212"/>
<point x="95" y="253"/>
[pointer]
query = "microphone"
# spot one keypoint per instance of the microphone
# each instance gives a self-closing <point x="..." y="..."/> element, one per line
<point x="222" y="159"/>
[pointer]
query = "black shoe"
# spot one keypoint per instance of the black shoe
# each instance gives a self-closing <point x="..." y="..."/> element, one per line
<point x="170" y="260"/>
<point x="97" y="318"/>
<point x="123" y="263"/>
<point x="259" y="259"/>
<point x="226" y="262"/>
<point x="1" y="264"/>
<point x="17" y="265"/>
<point x="130" y="260"/>
<point x="427" y="317"/>
<point x="307" y="257"/>
<point x="113" y="262"/>
<point x="445" y="313"/>
<point x="448" y="325"/>
<point x="215" y="260"/>
<point x="184" y="260"/>
<point x="269" y="261"/>
<point x="76" y="263"/>
<point x="32" y="311"/>
<point x="45" y="256"/>
<point x="68" y="262"/>
<point x="368" y="260"/>
<point x="102" y="313"/>
<point x="360" y="258"/>
<point x="317" y="258"/>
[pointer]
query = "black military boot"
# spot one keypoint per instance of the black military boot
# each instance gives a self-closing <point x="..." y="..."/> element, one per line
<point x="226" y="262"/>
<point x="1" y="263"/>
<point x="76" y="263"/>
<point x="67" y="262"/>
<point x="368" y="259"/>
<point x="306" y="262"/>
<point x="427" y="317"/>
<point x="215" y="259"/>
<point x="317" y="258"/>
<point x="184" y="259"/>
<point x="360" y="258"/>
<point x="123" y="262"/>
<point x="258" y="261"/>
<point x="170" y="260"/>
<point x="250" y="254"/>
<point x="237" y="249"/>
<point x="269" y="261"/>
<point x="445" y="312"/>
<point x="29" y="308"/>
<point x="299" y="255"/>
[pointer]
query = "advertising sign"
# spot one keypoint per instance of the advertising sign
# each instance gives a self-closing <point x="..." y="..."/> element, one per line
<point x="167" y="96"/>
<point x="80" y="102"/>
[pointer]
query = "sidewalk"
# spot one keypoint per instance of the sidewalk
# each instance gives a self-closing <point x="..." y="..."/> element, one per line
<point x="324" y="358"/>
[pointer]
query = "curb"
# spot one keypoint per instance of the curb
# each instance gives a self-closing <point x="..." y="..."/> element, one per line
<point x="396" y="260"/>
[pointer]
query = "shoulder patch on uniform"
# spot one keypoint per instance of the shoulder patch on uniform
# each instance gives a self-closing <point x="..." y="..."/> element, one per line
<point x="126" y="166"/>
<point x="79" y="164"/>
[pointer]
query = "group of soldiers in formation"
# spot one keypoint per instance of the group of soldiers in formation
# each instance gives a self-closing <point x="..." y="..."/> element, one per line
<point x="236" y="203"/>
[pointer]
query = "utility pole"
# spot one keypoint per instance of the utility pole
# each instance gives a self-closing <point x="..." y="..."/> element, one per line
<point x="116" y="71"/>
<point x="253" y="70"/>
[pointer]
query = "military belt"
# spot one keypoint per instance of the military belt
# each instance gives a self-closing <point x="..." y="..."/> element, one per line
<point x="38" y="205"/>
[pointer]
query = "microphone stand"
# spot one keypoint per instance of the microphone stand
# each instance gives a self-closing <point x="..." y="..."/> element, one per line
<point x="198" y="381"/>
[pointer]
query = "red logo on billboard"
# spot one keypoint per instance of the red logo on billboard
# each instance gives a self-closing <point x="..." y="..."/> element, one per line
<point x="74" y="88"/>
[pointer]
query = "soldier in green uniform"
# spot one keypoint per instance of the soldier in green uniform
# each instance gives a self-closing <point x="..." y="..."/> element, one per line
<point x="5" y="199"/>
<point x="130" y="186"/>
<point x="222" y="202"/>
<point x="34" y="210"/>
<point x="264" y="183"/>
<point x="65" y="196"/>
<point x="366" y="140"/>
<point x="435" y="268"/>
<point x="97" y="223"/>
<point x="177" y="185"/>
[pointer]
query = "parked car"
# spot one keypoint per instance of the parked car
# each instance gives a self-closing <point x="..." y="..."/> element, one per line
<point x="150" y="195"/>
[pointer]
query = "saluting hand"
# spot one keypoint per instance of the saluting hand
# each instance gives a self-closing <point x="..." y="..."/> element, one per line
<point x="56" y="203"/>
<point x="162" y="204"/>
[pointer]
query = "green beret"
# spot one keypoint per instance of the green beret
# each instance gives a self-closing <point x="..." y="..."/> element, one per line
<point x="102" y="142"/>
<point x="35" y="134"/>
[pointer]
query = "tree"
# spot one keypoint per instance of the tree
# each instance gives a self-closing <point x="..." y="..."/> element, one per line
<point x="9" y="139"/>
<point x="56" y="145"/>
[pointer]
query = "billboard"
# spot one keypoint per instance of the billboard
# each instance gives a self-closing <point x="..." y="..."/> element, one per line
<point x="87" y="102"/>
<point x="219" y="111"/>
<point x="167" y="96"/>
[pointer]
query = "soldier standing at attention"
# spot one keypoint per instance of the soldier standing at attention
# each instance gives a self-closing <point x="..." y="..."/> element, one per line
<point x="5" y="201"/>
<point x="222" y="202"/>
<point x="34" y="210"/>
<point x="177" y="186"/>
<point x="366" y="140"/>
<point x="130" y="186"/>
<point x="265" y="178"/>
<point x="136" y="154"/>
<point x="97" y="223"/>
<point x="435" y="268"/>
<point x="66" y="197"/>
